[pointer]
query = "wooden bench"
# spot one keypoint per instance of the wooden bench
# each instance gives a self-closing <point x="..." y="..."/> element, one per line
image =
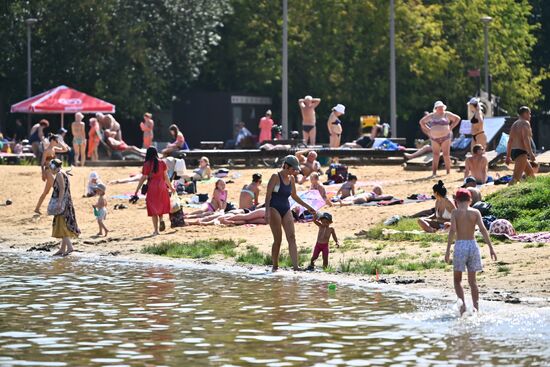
<point x="15" y="158"/>
<point x="211" y="144"/>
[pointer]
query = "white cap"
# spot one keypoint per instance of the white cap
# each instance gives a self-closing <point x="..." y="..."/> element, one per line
<point x="308" y="97"/>
<point x="474" y="100"/>
<point x="440" y="104"/>
<point x="339" y="108"/>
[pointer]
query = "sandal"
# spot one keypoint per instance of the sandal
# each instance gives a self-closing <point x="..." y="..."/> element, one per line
<point x="162" y="226"/>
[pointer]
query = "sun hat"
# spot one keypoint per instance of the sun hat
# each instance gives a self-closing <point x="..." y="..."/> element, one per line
<point x="439" y="104"/>
<point x="268" y="112"/>
<point x="292" y="161"/>
<point x="463" y="195"/>
<point x="473" y="101"/>
<point x="100" y="187"/>
<point x="93" y="175"/>
<point x="326" y="216"/>
<point x="468" y="180"/>
<point x="339" y="108"/>
<point x="308" y="97"/>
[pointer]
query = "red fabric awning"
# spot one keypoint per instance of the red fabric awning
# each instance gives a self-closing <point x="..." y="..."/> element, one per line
<point x="62" y="100"/>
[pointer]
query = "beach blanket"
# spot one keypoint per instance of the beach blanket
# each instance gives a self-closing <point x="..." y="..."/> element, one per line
<point x="531" y="237"/>
<point x="126" y="196"/>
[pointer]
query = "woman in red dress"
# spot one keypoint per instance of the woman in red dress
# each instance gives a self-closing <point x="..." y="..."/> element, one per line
<point x="159" y="188"/>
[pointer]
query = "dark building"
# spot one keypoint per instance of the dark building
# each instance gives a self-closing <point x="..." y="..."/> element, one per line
<point x="212" y="116"/>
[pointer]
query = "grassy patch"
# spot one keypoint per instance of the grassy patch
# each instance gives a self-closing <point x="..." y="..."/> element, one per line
<point x="194" y="250"/>
<point x="349" y="244"/>
<point x="534" y="245"/>
<point x="422" y="265"/>
<point x="255" y="257"/>
<point x="405" y="224"/>
<point x="526" y="205"/>
<point x="503" y="269"/>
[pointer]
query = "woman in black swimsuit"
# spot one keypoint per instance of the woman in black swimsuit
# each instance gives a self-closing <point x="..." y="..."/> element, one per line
<point x="277" y="209"/>
<point x="478" y="135"/>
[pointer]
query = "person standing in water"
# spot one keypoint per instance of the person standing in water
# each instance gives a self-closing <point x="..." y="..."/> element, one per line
<point x="466" y="254"/>
<point x="307" y="107"/>
<point x="520" y="149"/>
<point x="78" y="128"/>
<point x="280" y="187"/>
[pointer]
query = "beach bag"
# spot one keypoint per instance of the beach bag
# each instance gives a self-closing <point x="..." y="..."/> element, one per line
<point x="145" y="186"/>
<point x="53" y="209"/>
<point x="483" y="207"/>
<point x="175" y="204"/>
<point x="488" y="220"/>
<point x="177" y="219"/>
<point x="190" y="187"/>
<point x="502" y="227"/>
<point x="335" y="170"/>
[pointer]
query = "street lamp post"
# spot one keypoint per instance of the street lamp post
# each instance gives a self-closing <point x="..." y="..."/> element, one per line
<point x="486" y="20"/>
<point x="393" y="97"/>
<point x="29" y="22"/>
<point x="284" y="117"/>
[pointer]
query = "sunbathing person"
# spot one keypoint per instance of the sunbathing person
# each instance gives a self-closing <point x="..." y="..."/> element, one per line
<point x="234" y="217"/>
<point x="120" y="145"/>
<point x="203" y="172"/>
<point x="315" y="185"/>
<point x="308" y="164"/>
<point x="348" y="188"/>
<point x="477" y="165"/>
<point x="217" y="203"/>
<point x="366" y="140"/>
<point x="441" y="218"/>
<point x="375" y="195"/>
<point x="248" y="198"/>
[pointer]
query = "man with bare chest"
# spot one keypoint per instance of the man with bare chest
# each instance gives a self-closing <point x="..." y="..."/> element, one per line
<point x="307" y="107"/>
<point x="519" y="147"/>
<point x="477" y="165"/>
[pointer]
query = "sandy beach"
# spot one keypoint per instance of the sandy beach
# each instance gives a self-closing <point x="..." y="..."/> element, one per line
<point x="526" y="281"/>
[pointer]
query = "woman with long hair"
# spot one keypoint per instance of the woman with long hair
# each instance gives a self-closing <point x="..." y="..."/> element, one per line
<point x="61" y="207"/>
<point x="441" y="217"/>
<point x="439" y="126"/>
<point x="55" y="146"/>
<point x="159" y="188"/>
<point x="281" y="186"/>
<point x="178" y="143"/>
<point x="478" y="135"/>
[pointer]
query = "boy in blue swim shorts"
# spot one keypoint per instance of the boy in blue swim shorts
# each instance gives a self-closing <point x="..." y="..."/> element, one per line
<point x="466" y="255"/>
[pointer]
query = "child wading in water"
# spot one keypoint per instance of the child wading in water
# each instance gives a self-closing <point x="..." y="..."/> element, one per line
<point x="466" y="252"/>
<point x="100" y="208"/>
<point x="325" y="231"/>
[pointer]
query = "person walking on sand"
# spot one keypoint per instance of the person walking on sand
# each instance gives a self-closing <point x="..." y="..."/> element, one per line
<point x="439" y="125"/>
<point x="147" y="127"/>
<point x="79" y="139"/>
<point x="323" y="238"/>
<point x="100" y="209"/>
<point x="519" y="147"/>
<point x="61" y="207"/>
<point x="159" y="188"/>
<point x="280" y="187"/>
<point x="477" y="165"/>
<point x="307" y="107"/>
<point x="466" y="254"/>
<point x="265" y="125"/>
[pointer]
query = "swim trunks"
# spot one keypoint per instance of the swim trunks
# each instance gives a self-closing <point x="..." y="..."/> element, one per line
<point x="308" y="128"/>
<point x="100" y="214"/>
<point x="515" y="153"/>
<point x="320" y="248"/>
<point x="467" y="256"/>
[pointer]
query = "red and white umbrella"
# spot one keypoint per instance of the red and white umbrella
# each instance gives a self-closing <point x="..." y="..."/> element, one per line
<point x="62" y="100"/>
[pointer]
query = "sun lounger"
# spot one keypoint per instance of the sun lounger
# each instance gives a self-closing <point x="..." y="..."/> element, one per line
<point x="543" y="160"/>
<point x="16" y="157"/>
<point x="425" y="162"/>
<point x="493" y="158"/>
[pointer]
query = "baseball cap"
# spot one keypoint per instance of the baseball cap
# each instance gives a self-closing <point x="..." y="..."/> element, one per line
<point x="339" y="108"/>
<point x="473" y="101"/>
<point x="292" y="161"/>
<point x="469" y="180"/>
<point x="326" y="216"/>
<point x="100" y="187"/>
<point x="463" y="195"/>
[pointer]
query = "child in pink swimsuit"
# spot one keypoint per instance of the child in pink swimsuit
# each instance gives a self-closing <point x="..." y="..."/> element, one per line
<point x="323" y="221"/>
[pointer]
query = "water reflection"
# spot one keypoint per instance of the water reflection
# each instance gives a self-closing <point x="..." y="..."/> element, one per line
<point x="71" y="312"/>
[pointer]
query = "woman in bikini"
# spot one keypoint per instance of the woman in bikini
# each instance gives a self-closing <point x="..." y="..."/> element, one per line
<point x="478" y="135"/>
<point x="334" y="126"/>
<point x="375" y="195"/>
<point x="56" y="146"/>
<point x="178" y="144"/>
<point x="439" y="125"/>
<point x="217" y="203"/>
<point x="441" y="218"/>
<point x="202" y="172"/>
<point x="79" y="139"/>
<point x="277" y="209"/>
<point x="248" y="198"/>
<point x="147" y="127"/>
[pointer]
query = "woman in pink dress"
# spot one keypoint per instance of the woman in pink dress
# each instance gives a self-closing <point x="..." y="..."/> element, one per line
<point x="159" y="188"/>
<point x="266" y="123"/>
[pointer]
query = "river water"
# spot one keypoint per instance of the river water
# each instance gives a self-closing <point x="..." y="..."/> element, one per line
<point x="83" y="312"/>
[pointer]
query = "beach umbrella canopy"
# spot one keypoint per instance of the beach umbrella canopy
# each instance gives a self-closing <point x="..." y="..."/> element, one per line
<point x="62" y="100"/>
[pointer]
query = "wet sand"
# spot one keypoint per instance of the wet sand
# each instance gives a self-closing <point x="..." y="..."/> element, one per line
<point x="130" y="229"/>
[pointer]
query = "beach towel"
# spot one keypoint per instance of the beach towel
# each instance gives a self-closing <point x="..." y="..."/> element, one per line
<point x="126" y="196"/>
<point x="389" y="202"/>
<point x="531" y="237"/>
